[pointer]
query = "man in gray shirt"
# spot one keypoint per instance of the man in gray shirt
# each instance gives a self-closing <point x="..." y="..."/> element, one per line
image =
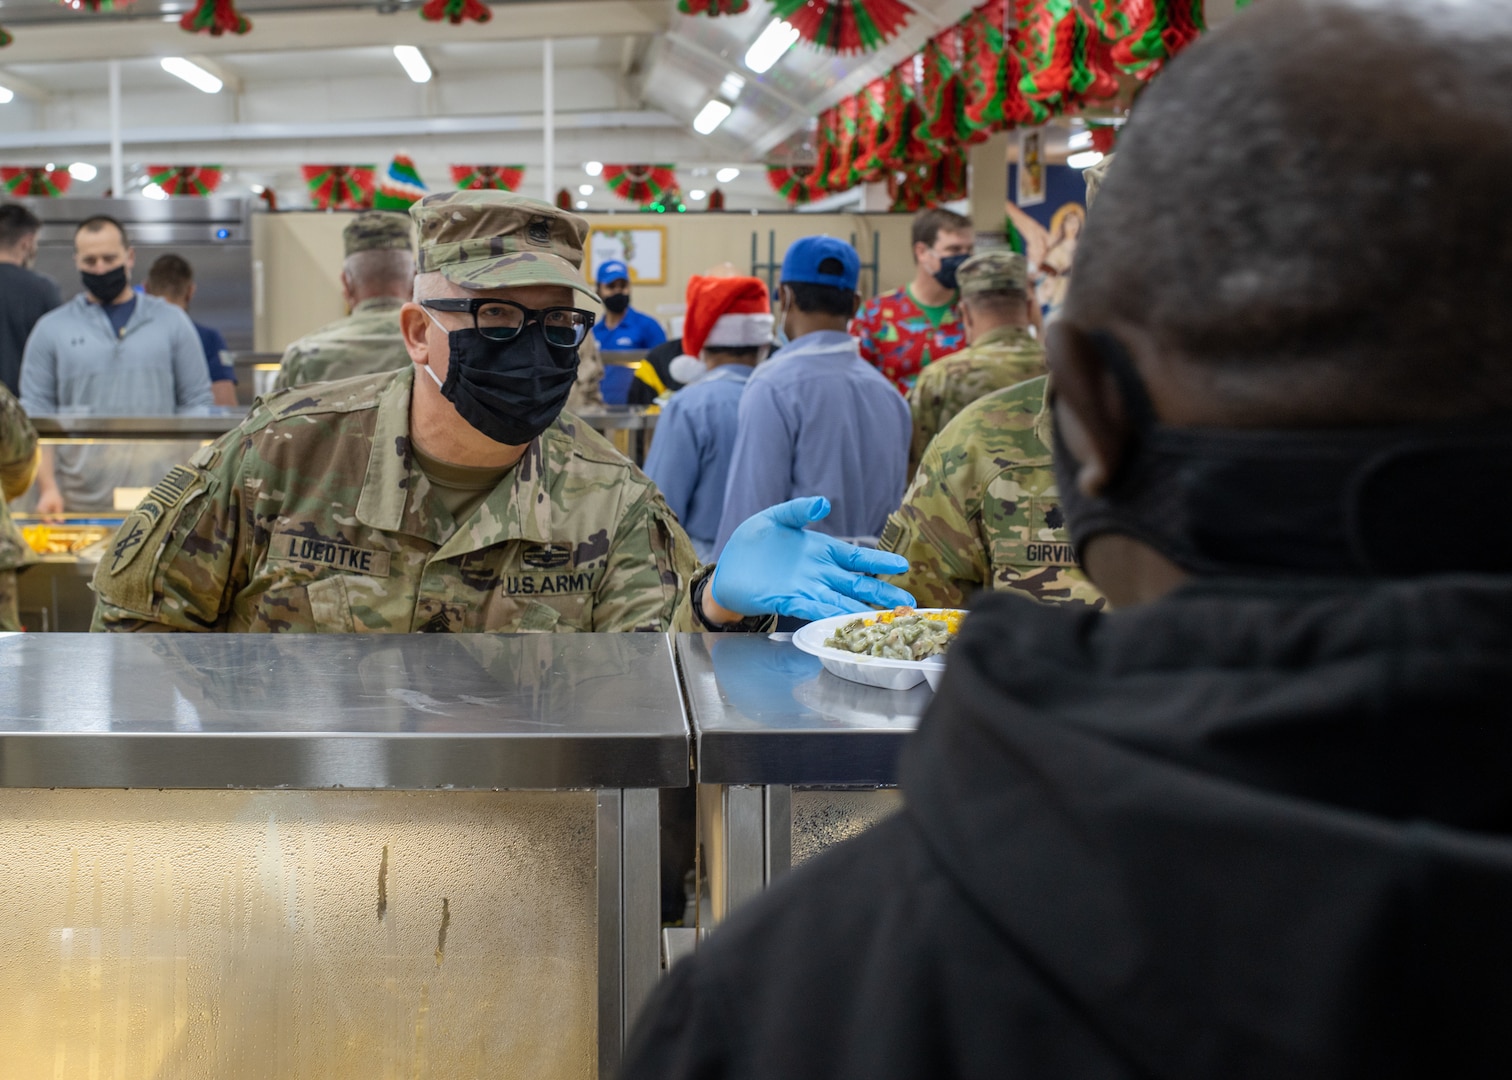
<point x="109" y="352"/>
<point x="25" y="296"/>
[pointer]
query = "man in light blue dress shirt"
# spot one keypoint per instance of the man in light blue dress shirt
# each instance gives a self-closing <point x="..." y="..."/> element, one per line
<point x="816" y="419"/>
<point x="726" y="331"/>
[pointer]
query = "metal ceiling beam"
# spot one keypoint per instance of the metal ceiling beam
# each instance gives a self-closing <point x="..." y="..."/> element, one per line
<point x="338" y="129"/>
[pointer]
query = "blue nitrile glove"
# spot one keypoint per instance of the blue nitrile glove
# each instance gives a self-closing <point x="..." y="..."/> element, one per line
<point x="773" y="564"/>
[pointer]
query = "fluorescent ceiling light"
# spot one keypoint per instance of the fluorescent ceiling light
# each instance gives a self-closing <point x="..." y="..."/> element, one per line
<point x="153" y="191"/>
<point x="585" y="189"/>
<point x="594" y="168"/>
<point x="710" y="117"/>
<point x="1084" y="160"/>
<point x="582" y="204"/>
<point x="1079" y="140"/>
<point x="767" y="49"/>
<point x="258" y="189"/>
<point x="83" y="171"/>
<point x="7" y="95"/>
<point x="413" y="63"/>
<point x="192" y="74"/>
<point x="50" y="166"/>
<point x="731" y="87"/>
<point x="697" y="195"/>
<point x="724" y="176"/>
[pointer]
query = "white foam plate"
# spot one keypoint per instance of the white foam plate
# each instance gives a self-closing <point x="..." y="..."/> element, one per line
<point x="868" y="670"/>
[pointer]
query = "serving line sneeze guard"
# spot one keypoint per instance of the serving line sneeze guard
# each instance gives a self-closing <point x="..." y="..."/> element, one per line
<point x="330" y="855"/>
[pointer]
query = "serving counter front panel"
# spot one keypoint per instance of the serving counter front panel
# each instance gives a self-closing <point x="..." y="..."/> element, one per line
<point x="302" y="856"/>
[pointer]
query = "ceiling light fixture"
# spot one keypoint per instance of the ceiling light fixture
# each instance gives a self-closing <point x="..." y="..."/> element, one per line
<point x="767" y="49"/>
<point x="413" y="63"/>
<point x="192" y="74"/>
<point x="582" y="204"/>
<point x="1084" y="160"/>
<point x="724" y="176"/>
<point x="83" y="171"/>
<point x="1079" y="140"/>
<point x="697" y="195"/>
<point x="710" y="117"/>
<point x="594" y="168"/>
<point x="585" y="189"/>
<point x="154" y="191"/>
<point x="7" y="95"/>
<point x="731" y="87"/>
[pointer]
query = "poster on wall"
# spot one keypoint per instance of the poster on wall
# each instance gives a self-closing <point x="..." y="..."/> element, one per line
<point x="1031" y="170"/>
<point x="642" y="248"/>
<point x="1048" y="232"/>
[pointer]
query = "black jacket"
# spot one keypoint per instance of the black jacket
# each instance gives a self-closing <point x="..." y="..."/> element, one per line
<point x="1244" y="832"/>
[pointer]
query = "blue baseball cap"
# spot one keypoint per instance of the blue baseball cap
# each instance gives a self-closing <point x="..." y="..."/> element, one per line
<point x="800" y="266"/>
<point x="613" y="270"/>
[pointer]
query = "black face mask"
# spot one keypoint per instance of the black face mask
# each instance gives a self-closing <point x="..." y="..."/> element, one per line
<point x="107" y="286"/>
<point x="1349" y="502"/>
<point x="511" y="391"/>
<point x="617" y="304"/>
<point x="946" y="274"/>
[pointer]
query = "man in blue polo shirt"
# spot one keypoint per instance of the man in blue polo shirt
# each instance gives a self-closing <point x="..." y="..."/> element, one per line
<point x="622" y="329"/>
<point x="816" y="419"/>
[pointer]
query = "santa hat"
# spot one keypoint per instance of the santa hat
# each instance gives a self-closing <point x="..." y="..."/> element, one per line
<point x="734" y="312"/>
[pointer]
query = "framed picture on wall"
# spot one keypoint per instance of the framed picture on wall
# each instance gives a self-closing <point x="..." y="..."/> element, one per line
<point x="1031" y="168"/>
<point x="643" y="248"/>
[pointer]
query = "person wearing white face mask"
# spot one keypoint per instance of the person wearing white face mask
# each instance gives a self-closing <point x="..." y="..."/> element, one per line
<point x="726" y="332"/>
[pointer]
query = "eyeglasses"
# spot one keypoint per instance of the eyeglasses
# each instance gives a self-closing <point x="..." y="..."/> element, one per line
<point x="502" y="320"/>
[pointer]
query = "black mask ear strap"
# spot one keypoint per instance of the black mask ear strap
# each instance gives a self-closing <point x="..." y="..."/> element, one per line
<point x="1132" y="388"/>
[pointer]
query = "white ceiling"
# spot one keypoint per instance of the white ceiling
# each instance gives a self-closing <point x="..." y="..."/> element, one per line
<point x="318" y="82"/>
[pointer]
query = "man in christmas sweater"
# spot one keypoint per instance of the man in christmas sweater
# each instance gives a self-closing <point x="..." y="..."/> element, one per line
<point x="904" y="331"/>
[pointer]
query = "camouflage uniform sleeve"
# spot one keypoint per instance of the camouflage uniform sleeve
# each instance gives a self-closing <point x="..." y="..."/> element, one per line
<point x="590" y="373"/>
<point x="650" y="569"/>
<point x="924" y="405"/>
<point x="18" y="447"/>
<point x="173" y="564"/>
<point x="289" y="368"/>
<point x="935" y="531"/>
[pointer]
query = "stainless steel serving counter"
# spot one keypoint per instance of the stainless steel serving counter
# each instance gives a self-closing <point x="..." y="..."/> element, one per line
<point x="789" y="759"/>
<point x="366" y="854"/>
<point x="214" y="422"/>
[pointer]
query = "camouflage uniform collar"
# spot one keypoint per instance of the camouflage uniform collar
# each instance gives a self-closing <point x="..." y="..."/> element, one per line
<point x="396" y="495"/>
<point x="1005" y="335"/>
<point x="379" y="303"/>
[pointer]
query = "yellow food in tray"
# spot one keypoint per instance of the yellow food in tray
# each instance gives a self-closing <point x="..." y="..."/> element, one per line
<point x="63" y="539"/>
<point x="900" y="634"/>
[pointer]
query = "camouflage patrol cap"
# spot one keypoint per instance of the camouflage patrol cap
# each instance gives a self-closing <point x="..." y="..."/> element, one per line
<point x="993" y="272"/>
<point x="494" y="239"/>
<point x="378" y="230"/>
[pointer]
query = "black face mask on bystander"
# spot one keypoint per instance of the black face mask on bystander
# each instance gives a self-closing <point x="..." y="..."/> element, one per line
<point x="1326" y="503"/>
<point x="107" y="286"/>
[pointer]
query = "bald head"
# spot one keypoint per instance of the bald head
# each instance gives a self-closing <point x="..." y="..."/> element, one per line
<point x="1312" y="205"/>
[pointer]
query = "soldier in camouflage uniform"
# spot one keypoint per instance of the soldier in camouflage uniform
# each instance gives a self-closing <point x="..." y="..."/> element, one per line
<point x="377" y="279"/>
<point x="334" y="509"/>
<point x="997" y="310"/>
<point x="18" y="466"/>
<point x="983" y="511"/>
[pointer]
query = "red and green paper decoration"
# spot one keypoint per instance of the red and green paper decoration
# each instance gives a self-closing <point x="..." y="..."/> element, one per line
<point x="6" y="37"/>
<point x="400" y="187"/>
<point x="34" y="180"/>
<point x="919" y="186"/>
<point x="792" y="182"/>
<point x="712" y="7"/>
<point x="96" y="5"/>
<point x="1143" y="34"/>
<point x="341" y="187"/>
<point x="215" y="17"/>
<point x="456" y="12"/>
<point x="1066" y="62"/>
<point x="844" y="26"/>
<point x="640" y="184"/>
<point x="487" y="177"/>
<point x="716" y="201"/>
<point x="194" y="180"/>
<point x="991" y="96"/>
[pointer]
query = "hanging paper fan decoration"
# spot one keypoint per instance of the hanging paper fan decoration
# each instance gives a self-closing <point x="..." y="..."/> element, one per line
<point x="33" y="180"/>
<point x="1065" y="59"/>
<point x="95" y="5"/>
<point x="401" y="186"/>
<point x="846" y="118"/>
<point x="791" y="182"/>
<point x="991" y="96"/>
<point x="487" y="177"/>
<point x="215" y="17"/>
<point x="939" y="98"/>
<point x="712" y="7"/>
<point x="456" y="11"/>
<point x="1104" y="137"/>
<point x="640" y="184"/>
<point x="919" y="186"/>
<point x="844" y="26"/>
<point x="1146" y="33"/>
<point x="197" y="180"/>
<point x="341" y="187"/>
<point x="716" y="200"/>
<point x="564" y="199"/>
<point x="6" y="37"/>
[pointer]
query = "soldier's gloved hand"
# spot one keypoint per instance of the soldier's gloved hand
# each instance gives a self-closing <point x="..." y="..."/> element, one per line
<point x="773" y="564"/>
